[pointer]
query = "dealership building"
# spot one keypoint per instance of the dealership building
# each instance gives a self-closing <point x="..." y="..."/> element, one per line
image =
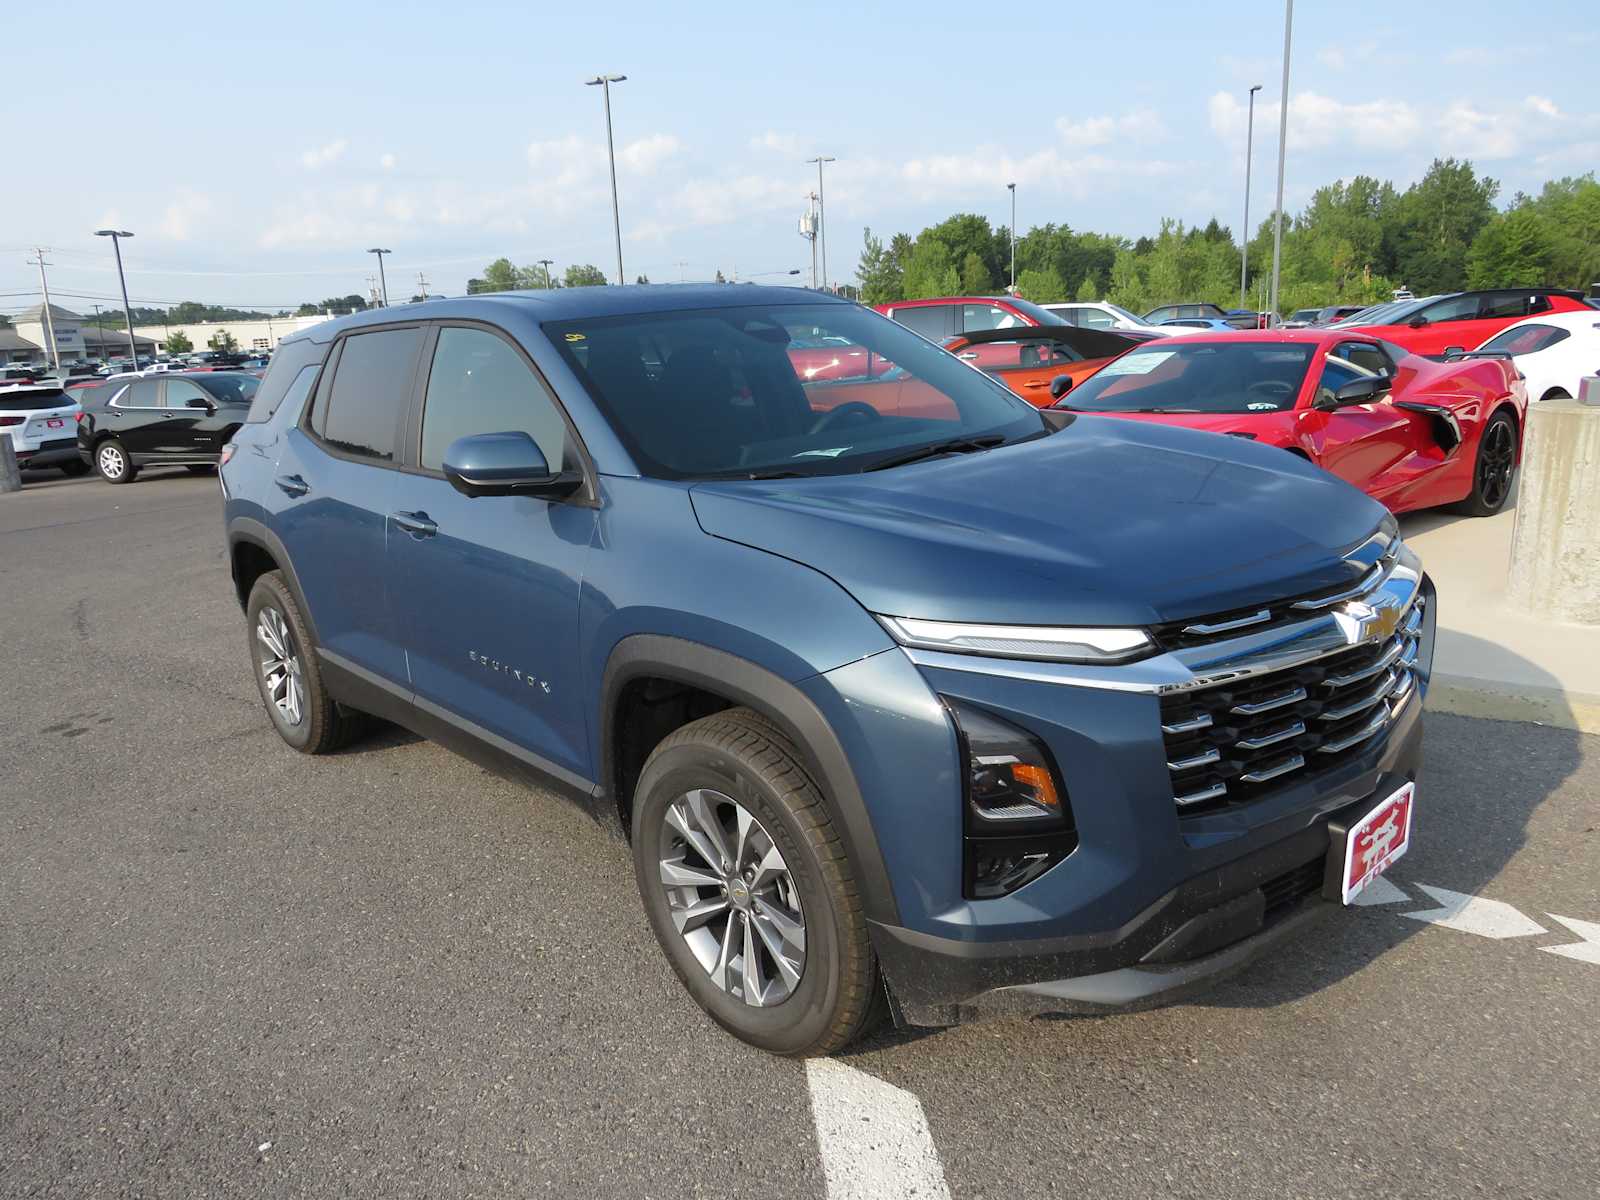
<point x="264" y="334"/>
<point x="28" y="339"/>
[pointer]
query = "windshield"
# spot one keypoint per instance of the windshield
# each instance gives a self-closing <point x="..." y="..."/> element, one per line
<point x="227" y="387"/>
<point x="778" y="389"/>
<point x="1392" y="313"/>
<point x="1181" y="376"/>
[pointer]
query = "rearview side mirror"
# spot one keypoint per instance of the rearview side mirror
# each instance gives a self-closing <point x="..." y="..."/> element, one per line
<point x="205" y="404"/>
<point x="1357" y="391"/>
<point x="1060" y="386"/>
<point x="505" y="464"/>
<point x="1417" y="322"/>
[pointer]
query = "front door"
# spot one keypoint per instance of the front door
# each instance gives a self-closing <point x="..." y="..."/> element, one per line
<point x="1359" y="442"/>
<point x="194" y="422"/>
<point x="486" y="587"/>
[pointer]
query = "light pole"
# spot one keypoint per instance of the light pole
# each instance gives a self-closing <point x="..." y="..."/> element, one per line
<point x="1249" y="141"/>
<point x="383" y="282"/>
<point x="546" y="264"/>
<point x="1012" y="188"/>
<point x="822" y="219"/>
<point x="49" y="319"/>
<point x="1283" y="141"/>
<point x="604" y="82"/>
<point x="116" y="236"/>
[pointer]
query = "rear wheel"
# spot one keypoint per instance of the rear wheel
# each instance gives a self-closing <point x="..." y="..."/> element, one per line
<point x="748" y="888"/>
<point x="1495" y="468"/>
<point x="287" y="674"/>
<point x="113" y="462"/>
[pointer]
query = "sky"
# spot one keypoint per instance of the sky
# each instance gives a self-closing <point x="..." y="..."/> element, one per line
<point x="276" y="143"/>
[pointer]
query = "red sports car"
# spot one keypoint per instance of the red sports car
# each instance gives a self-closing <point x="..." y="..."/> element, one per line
<point x="1462" y="320"/>
<point x="1409" y="431"/>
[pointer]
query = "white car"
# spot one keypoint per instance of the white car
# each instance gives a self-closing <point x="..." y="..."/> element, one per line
<point x="1097" y="314"/>
<point x="43" y="423"/>
<point x="1553" y="351"/>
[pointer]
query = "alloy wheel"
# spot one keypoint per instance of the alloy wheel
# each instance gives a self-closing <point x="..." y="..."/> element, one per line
<point x="1496" y="461"/>
<point x="111" y="461"/>
<point x="732" y="898"/>
<point x="280" y="665"/>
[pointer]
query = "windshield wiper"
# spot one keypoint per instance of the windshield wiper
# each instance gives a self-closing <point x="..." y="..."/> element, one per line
<point x="1165" y="410"/>
<point x="952" y="446"/>
<point x="778" y="474"/>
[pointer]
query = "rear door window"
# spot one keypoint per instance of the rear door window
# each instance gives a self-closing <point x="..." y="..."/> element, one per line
<point x="933" y="321"/>
<point x="988" y="316"/>
<point x="360" y="413"/>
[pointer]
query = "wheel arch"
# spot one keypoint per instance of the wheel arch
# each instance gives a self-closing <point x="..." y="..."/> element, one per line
<point x="253" y="550"/>
<point x="741" y="683"/>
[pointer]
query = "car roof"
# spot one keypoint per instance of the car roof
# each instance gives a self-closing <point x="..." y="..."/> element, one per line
<point x="582" y="303"/>
<point x="1296" y="336"/>
<point x="1563" y="320"/>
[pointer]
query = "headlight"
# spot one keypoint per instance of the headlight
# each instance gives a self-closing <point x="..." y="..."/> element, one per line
<point x="1018" y="821"/>
<point x="1050" y="643"/>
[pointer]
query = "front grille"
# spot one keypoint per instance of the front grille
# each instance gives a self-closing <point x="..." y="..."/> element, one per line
<point x="1285" y="891"/>
<point x="1180" y="635"/>
<point x="1234" y="742"/>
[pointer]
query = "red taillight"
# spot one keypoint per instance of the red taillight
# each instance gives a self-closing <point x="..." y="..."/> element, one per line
<point x="5" y="421"/>
<point x="227" y="453"/>
<point x="79" y="416"/>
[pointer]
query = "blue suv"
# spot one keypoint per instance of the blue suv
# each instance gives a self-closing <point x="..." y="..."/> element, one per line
<point x="907" y="695"/>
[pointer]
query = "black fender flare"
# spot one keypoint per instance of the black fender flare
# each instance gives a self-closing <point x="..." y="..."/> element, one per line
<point x="252" y="532"/>
<point x="787" y="707"/>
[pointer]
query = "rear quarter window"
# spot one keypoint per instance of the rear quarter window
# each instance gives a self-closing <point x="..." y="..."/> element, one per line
<point x="283" y="375"/>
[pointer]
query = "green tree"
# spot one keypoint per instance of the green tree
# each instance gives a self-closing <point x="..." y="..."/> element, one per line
<point x="1042" y="286"/>
<point x="583" y="275"/>
<point x="1087" y="290"/>
<point x="498" y="276"/>
<point x="1515" y="249"/>
<point x="975" y="277"/>
<point x="178" y="343"/>
<point x="968" y="233"/>
<point x="929" y="271"/>
<point x="880" y="271"/>
<point x="223" y="340"/>
<point x="642" y="279"/>
<point x="1436" y="221"/>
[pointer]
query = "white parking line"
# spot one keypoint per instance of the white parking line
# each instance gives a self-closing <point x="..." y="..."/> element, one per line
<point x="1588" y="950"/>
<point x="1473" y="914"/>
<point x="873" y="1137"/>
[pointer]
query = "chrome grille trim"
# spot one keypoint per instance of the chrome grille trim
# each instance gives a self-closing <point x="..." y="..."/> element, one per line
<point x="1262" y="741"/>
<point x="1292" y="696"/>
<point x="1364" y="702"/>
<point x="1379" y="721"/>
<point x="1368" y="581"/>
<point x="1189" y="725"/>
<point x="1383" y="664"/>
<point x="1195" y="761"/>
<point x="1204" y="794"/>
<point x="1207" y="629"/>
<point x="1293" y="763"/>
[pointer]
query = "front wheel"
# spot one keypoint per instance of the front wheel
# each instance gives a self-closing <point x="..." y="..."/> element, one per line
<point x="1495" y="468"/>
<point x="748" y="888"/>
<point x="113" y="462"/>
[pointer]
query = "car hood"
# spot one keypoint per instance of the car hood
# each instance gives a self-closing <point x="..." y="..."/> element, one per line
<point x="1104" y="522"/>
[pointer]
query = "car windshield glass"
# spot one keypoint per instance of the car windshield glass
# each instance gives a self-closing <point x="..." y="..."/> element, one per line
<point x="1179" y="375"/>
<point x="1126" y="315"/>
<point x="1037" y="312"/>
<point x="229" y="388"/>
<point x="780" y="389"/>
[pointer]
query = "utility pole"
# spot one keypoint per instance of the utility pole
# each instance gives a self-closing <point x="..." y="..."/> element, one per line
<point x="546" y="264"/>
<point x="49" y="322"/>
<point x="808" y="230"/>
<point x="100" y="332"/>
<point x="1012" y="188"/>
<point x="383" y="281"/>
<point x="822" y="219"/>
<point x="1249" y="142"/>
<point x="422" y="285"/>
<point x="116" y="236"/>
<point x="604" y="82"/>
<point x="683" y="267"/>
<point x="1283" y="141"/>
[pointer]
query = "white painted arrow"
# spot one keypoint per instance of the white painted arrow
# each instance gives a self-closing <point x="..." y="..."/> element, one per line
<point x="1380" y="891"/>
<point x="873" y="1137"/>
<point x="1588" y="950"/>
<point x="1473" y="914"/>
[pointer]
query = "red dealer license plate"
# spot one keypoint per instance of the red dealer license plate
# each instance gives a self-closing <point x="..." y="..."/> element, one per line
<point x="54" y="423"/>
<point x="1375" y="842"/>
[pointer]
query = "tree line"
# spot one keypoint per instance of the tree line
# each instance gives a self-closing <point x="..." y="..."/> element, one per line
<point x="1354" y="243"/>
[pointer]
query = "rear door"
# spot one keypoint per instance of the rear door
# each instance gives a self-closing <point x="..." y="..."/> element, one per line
<point x="933" y="321"/>
<point x="135" y="418"/>
<point x="335" y="485"/>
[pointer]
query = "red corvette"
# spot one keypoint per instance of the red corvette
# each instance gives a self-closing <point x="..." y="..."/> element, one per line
<point x="1409" y="431"/>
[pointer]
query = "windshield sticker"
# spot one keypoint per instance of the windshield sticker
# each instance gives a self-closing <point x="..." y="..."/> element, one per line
<point x="1136" y="364"/>
<point x="834" y="453"/>
<point x="1262" y="406"/>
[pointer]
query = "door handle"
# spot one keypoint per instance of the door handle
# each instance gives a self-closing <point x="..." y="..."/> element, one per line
<point x="1042" y="383"/>
<point x="416" y="524"/>
<point x="292" y="484"/>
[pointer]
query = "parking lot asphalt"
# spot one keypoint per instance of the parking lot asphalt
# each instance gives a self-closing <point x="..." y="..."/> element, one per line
<point x="226" y="969"/>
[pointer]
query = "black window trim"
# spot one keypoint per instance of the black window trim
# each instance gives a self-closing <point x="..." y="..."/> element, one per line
<point x="329" y="374"/>
<point x="155" y="381"/>
<point x="409" y="458"/>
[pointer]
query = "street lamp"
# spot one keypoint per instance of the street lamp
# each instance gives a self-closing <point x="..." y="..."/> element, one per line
<point x="1012" y="188"/>
<point x="383" y="282"/>
<point x="822" y="220"/>
<point x="1249" y="141"/>
<point x="116" y="236"/>
<point x="1283" y="141"/>
<point x="604" y="82"/>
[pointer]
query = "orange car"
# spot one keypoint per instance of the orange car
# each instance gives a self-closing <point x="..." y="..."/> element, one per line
<point x="1028" y="360"/>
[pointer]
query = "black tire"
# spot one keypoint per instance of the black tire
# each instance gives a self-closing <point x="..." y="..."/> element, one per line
<point x="74" y="470"/>
<point x="201" y="469"/>
<point x="1494" y="469"/>
<point x="738" y="754"/>
<point x="112" y="461"/>
<point x="323" y="724"/>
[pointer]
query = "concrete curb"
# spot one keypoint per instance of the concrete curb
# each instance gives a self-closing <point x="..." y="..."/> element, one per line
<point x="1498" y="701"/>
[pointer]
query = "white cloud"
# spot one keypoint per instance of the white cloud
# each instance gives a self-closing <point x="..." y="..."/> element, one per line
<point x="1317" y="121"/>
<point x="1141" y="125"/>
<point x="782" y="143"/>
<point x="1333" y="57"/>
<point x="386" y="161"/>
<point x="645" y="155"/>
<point x="182" y="214"/>
<point x="323" y="156"/>
<point x="1542" y="105"/>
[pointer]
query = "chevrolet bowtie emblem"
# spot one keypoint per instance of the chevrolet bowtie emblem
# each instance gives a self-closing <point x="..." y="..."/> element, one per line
<point x="1361" y="622"/>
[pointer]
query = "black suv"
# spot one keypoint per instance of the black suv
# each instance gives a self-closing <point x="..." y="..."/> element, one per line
<point x="178" y="420"/>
